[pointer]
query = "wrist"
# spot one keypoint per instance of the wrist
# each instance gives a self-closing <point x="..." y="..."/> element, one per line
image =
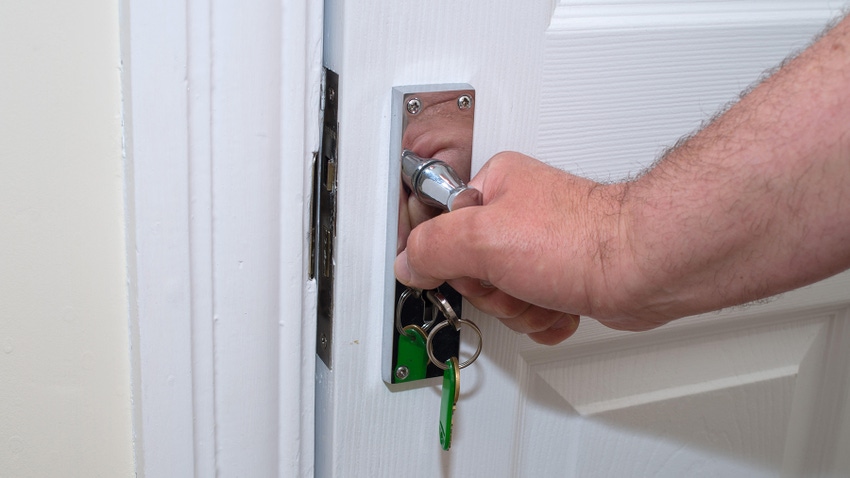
<point x="613" y="268"/>
<point x="621" y="295"/>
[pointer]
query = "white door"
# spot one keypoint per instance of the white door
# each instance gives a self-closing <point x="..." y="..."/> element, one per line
<point x="598" y="88"/>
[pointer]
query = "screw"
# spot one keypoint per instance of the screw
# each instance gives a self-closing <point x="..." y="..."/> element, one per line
<point x="414" y="106"/>
<point x="464" y="102"/>
<point x="324" y="341"/>
<point x="402" y="372"/>
<point x="331" y="94"/>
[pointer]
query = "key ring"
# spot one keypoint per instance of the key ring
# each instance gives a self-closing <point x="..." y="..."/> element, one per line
<point x="440" y="301"/>
<point x="429" y="344"/>
<point x="410" y="291"/>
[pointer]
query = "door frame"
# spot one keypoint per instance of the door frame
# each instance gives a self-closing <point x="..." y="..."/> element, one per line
<point x="182" y="185"/>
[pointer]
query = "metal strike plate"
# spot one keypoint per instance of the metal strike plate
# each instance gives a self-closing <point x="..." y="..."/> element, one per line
<point x="323" y="228"/>
<point x="432" y="121"/>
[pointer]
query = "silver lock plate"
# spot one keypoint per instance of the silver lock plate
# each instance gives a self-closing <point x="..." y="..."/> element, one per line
<point x="431" y="121"/>
<point x="323" y="211"/>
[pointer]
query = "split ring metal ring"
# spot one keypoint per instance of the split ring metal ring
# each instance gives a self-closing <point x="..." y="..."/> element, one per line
<point x="401" y="300"/>
<point x="410" y="291"/>
<point x="430" y="342"/>
<point x="443" y="305"/>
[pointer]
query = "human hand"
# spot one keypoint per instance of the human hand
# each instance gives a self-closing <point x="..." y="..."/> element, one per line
<point x="545" y="247"/>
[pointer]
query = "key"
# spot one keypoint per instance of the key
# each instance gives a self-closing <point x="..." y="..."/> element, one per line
<point x="413" y="359"/>
<point x="451" y="391"/>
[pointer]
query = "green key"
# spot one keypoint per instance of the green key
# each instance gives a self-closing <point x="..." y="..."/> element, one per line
<point x="413" y="359"/>
<point x="451" y="390"/>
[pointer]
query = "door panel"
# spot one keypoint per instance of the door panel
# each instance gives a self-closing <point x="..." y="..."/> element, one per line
<point x="599" y="89"/>
<point x="744" y="390"/>
<point x="618" y="88"/>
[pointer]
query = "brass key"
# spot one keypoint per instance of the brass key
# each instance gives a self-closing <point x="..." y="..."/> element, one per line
<point x="451" y="391"/>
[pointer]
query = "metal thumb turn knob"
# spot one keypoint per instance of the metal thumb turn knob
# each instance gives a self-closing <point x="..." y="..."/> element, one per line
<point x="436" y="184"/>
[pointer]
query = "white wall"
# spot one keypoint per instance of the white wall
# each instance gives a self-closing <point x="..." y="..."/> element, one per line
<point x="65" y="405"/>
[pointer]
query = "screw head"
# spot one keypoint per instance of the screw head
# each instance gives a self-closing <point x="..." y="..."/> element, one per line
<point x="464" y="102"/>
<point x="414" y="106"/>
<point x="324" y="341"/>
<point x="402" y="372"/>
<point x="331" y="94"/>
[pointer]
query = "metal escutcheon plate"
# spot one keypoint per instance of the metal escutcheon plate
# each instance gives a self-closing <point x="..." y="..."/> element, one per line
<point x="432" y="121"/>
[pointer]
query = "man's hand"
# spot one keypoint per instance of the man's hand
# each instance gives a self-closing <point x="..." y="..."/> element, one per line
<point x="545" y="247"/>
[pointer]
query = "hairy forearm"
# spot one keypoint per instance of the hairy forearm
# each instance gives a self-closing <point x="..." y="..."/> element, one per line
<point x="755" y="204"/>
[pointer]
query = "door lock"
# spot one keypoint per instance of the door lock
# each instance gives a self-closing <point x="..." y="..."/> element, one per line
<point x="429" y="164"/>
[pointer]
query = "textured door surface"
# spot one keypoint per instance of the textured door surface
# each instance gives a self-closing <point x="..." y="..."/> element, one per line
<point x="599" y="89"/>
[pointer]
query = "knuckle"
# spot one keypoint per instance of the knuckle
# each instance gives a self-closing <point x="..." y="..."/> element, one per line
<point x="501" y="160"/>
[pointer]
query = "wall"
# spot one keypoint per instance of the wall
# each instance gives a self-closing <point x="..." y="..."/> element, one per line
<point x="65" y="406"/>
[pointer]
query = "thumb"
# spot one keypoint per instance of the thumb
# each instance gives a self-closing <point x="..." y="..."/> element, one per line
<point x="443" y="248"/>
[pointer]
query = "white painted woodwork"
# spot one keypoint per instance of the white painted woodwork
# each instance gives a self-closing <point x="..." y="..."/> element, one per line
<point x="599" y="88"/>
<point x="221" y="117"/>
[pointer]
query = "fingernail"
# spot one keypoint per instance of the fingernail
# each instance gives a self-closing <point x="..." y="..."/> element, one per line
<point x="487" y="284"/>
<point x="402" y="270"/>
